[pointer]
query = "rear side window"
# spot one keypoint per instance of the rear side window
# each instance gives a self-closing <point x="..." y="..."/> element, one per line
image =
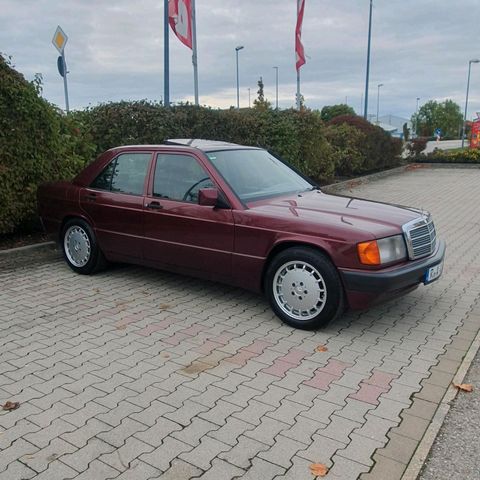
<point x="125" y="174"/>
<point x="179" y="177"/>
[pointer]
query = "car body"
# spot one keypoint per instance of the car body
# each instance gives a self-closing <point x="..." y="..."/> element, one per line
<point x="233" y="214"/>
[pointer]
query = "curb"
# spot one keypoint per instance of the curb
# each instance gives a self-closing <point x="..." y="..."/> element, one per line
<point x="418" y="460"/>
<point x="354" y="182"/>
<point x="26" y="248"/>
<point x="448" y="165"/>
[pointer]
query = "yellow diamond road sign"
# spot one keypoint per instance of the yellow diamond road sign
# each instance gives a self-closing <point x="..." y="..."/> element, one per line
<point x="59" y="39"/>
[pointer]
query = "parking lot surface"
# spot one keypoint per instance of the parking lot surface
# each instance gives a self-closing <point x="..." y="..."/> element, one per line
<point x="140" y="374"/>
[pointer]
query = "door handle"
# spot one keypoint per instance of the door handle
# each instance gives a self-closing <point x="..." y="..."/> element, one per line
<point x="154" y="206"/>
<point x="91" y="196"/>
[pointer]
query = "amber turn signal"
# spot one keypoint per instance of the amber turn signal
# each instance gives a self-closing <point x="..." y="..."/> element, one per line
<point x="368" y="253"/>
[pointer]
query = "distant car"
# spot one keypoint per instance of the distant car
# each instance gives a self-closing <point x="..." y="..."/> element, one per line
<point x="239" y="215"/>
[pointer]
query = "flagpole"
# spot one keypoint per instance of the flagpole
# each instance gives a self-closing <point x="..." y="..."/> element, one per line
<point x="194" y="52"/>
<point x="298" y="70"/>
<point x="166" y="59"/>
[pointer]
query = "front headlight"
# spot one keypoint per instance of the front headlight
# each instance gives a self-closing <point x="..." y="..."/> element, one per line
<point x="385" y="250"/>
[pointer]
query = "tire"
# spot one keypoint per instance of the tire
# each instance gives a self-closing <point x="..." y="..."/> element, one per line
<point x="314" y="296"/>
<point x="80" y="247"/>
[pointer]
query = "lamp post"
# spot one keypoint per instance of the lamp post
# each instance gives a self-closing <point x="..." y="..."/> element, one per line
<point x="416" y="118"/>
<point x="276" y="87"/>
<point x="237" y="49"/>
<point x="466" y="99"/>
<point x="365" y="111"/>
<point x="249" y="104"/>
<point x="378" y="98"/>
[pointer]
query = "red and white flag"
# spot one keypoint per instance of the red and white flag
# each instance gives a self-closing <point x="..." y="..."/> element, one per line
<point x="180" y="19"/>
<point x="299" y="51"/>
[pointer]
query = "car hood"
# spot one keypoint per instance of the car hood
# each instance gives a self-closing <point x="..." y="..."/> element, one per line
<point x="375" y="218"/>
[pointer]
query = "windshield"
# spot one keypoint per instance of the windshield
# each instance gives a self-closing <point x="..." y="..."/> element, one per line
<point x="255" y="174"/>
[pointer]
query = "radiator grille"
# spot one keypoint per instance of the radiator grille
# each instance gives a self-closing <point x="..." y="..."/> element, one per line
<point x="420" y="236"/>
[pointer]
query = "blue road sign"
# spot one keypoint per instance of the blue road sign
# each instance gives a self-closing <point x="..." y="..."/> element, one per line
<point x="61" y="66"/>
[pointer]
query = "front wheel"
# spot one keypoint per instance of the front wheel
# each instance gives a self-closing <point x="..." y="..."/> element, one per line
<point x="80" y="247"/>
<point x="304" y="288"/>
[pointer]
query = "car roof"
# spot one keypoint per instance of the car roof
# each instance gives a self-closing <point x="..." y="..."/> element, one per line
<point x="198" y="143"/>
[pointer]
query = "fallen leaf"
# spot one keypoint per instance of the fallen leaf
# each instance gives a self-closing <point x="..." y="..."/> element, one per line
<point x="321" y="348"/>
<point x="121" y="327"/>
<point x="164" y="306"/>
<point x="11" y="405"/>
<point x="465" y="387"/>
<point x="318" y="469"/>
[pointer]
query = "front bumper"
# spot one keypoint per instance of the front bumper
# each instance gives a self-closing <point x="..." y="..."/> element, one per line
<point x="393" y="279"/>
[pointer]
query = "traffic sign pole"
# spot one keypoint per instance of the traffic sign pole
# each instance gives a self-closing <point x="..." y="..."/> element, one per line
<point x="65" y="85"/>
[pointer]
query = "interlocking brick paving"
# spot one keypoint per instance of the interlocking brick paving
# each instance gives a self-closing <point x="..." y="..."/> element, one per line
<point x="136" y="373"/>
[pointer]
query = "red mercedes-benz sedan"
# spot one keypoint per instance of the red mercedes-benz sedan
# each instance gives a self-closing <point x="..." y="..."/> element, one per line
<point x="239" y="215"/>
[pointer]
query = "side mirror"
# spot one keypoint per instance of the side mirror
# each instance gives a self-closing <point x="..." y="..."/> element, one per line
<point x="208" y="197"/>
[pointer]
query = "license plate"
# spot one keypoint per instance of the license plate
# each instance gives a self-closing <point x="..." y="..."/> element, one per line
<point x="433" y="273"/>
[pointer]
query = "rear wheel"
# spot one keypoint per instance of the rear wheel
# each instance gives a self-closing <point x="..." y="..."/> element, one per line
<point x="80" y="247"/>
<point x="304" y="288"/>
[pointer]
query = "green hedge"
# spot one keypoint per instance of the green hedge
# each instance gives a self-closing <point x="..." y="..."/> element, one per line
<point x="37" y="144"/>
<point x="371" y="148"/>
<point x="467" y="155"/>
<point x="347" y="146"/>
<point x="297" y="136"/>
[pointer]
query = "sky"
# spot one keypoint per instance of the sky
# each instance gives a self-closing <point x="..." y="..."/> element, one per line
<point x="420" y="48"/>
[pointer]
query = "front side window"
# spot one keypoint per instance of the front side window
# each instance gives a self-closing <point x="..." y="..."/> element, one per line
<point x="124" y="174"/>
<point x="179" y="177"/>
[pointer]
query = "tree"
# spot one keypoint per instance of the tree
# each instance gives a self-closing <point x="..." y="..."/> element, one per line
<point x="446" y="116"/>
<point x="261" y="102"/>
<point x="302" y="102"/>
<point x="331" y="111"/>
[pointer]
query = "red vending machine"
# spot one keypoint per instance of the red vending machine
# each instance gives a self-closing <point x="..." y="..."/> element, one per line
<point x="475" y="134"/>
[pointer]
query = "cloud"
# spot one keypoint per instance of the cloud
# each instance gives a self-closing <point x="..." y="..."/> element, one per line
<point x="115" y="50"/>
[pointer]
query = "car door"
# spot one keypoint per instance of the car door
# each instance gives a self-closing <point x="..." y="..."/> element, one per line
<point x="114" y="204"/>
<point x="179" y="233"/>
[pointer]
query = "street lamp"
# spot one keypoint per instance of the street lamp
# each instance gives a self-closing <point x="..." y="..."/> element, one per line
<point x="466" y="99"/>
<point x="365" y="111"/>
<point x="378" y="98"/>
<point x="416" y="118"/>
<point x="237" y="49"/>
<point x="276" y="87"/>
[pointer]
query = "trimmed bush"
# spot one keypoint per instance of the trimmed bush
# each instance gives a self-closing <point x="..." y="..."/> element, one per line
<point x="377" y="150"/>
<point x="468" y="155"/>
<point x="416" y="146"/>
<point x="329" y="112"/>
<point x="36" y="145"/>
<point x="347" y="146"/>
<point x="296" y="136"/>
<point x="346" y="143"/>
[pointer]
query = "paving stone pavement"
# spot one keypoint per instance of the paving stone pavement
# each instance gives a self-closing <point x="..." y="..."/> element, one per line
<point x="140" y="374"/>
